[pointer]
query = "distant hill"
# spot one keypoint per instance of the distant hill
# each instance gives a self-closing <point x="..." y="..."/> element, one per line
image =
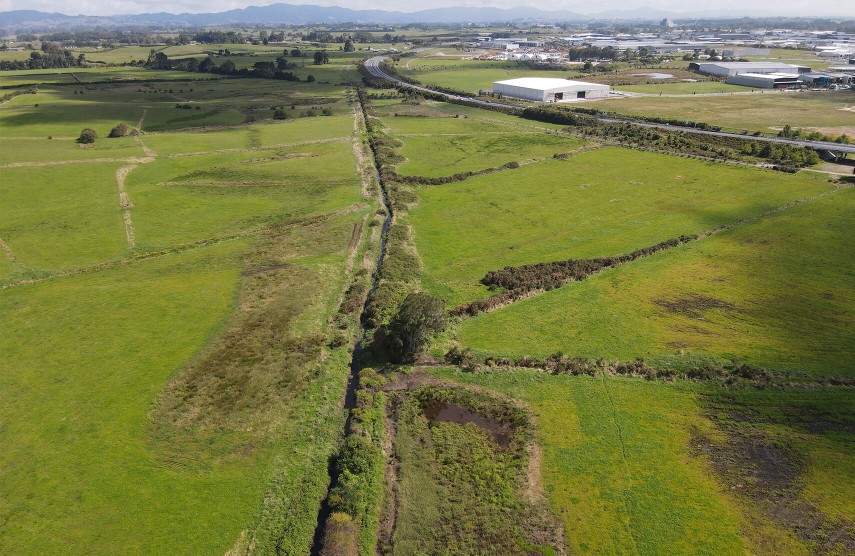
<point x="306" y="14"/>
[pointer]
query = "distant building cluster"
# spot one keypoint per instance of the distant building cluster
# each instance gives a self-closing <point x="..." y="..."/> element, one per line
<point x="773" y="75"/>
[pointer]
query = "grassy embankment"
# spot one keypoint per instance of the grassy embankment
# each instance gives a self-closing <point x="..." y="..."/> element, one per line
<point x="146" y="414"/>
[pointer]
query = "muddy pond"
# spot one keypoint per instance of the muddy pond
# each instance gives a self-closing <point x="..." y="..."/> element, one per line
<point x="442" y="412"/>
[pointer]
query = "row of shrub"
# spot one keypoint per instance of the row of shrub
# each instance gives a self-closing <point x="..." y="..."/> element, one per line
<point x="355" y="500"/>
<point x="520" y="281"/>
<point x="651" y="119"/>
<point x="785" y="155"/>
<point x="400" y="270"/>
<point x="459" y="176"/>
<point x="728" y="372"/>
<point x="9" y="96"/>
<point x="786" y="158"/>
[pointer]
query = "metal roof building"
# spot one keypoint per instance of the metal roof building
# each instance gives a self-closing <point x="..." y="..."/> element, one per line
<point x="733" y="68"/>
<point x="545" y="89"/>
<point x="765" y="80"/>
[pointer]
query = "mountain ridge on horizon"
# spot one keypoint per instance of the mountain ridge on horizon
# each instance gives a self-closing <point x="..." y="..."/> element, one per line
<point x="303" y="14"/>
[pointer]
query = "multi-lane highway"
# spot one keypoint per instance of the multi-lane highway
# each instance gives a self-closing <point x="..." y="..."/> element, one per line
<point x="373" y="65"/>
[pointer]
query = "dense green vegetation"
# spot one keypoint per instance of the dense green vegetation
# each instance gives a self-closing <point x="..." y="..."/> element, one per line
<point x="598" y="203"/>
<point x="636" y="467"/>
<point x="647" y="353"/>
<point x="460" y="489"/>
<point x="776" y="292"/>
<point x="187" y="287"/>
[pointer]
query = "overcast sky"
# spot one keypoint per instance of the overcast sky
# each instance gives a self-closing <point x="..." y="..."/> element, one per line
<point x="840" y="8"/>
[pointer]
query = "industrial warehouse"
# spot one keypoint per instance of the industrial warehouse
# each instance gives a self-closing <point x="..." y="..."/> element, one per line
<point x="543" y="89"/>
<point x="726" y="69"/>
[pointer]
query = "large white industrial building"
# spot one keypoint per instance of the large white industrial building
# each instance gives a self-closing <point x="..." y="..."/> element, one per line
<point x="545" y="89"/>
<point x="765" y="80"/>
<point x="732" y="68"/>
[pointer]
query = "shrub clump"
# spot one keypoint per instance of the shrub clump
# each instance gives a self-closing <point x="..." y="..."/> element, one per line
<point x="120" y="130"/>
<point x="87" y="136"/>
<point x="419" y="318"/>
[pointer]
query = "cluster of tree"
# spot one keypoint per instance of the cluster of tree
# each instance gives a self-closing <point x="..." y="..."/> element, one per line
<point x="51" y="56"/>
<point x="785" y="155"/>
<point x="356" y="37"/>
<point x="385" y="153"/>
<point x="280" y="113"/>
<point x="521" y="281"/>
<point x="399" y="272"/>
<point x="790" y="132"/>
<point x="580" y="53"/>
<point x="353" y="501"/>
<point x="98" y="37"/>
<point x="219" y="37"/>
<point x="729" y="372"/>
<point x="418" y="319"/>
<point x="265" y="70"/>
<point x="651" y="119"/>
<point x="321" y="57"/>
<point x="267" y="38"/>
<point x="674" y="141"/>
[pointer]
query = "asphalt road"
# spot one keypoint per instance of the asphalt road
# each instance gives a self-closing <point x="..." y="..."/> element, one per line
<point x="373" y="67"/>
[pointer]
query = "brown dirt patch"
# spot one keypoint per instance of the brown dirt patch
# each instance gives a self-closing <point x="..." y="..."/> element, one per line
<point x="835" y="131"/>
<point x="694" y="305"/>
<point x="768" y="474"/>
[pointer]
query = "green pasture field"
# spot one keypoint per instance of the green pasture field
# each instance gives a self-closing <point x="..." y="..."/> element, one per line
<point x="443" y="156"/>
<point x="598" y="203"/>
<point x="468" y="75"/>
<point x="796" y="57"/>
<point x="53" y="219"/>
<point x="40" y="149"/>
<point x="92" y="452"/>
<point x="700" y="87"/>
<point x="616" y="465"/>
<point x="185" y="199"/>
<point x="77" y="473"/>
<point x="8" y="267"/>
<point x="90" y="75"/>
<point x="67" y="119"/>
<point x="387" y="108"/>
<point x="756" y="112"/>
<point x="406" y="125"/>
<point x="64" y="111"/>
<point x="15" y="55"/>
<point x="274" y="133"/>
<point x="777" y="292"/>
